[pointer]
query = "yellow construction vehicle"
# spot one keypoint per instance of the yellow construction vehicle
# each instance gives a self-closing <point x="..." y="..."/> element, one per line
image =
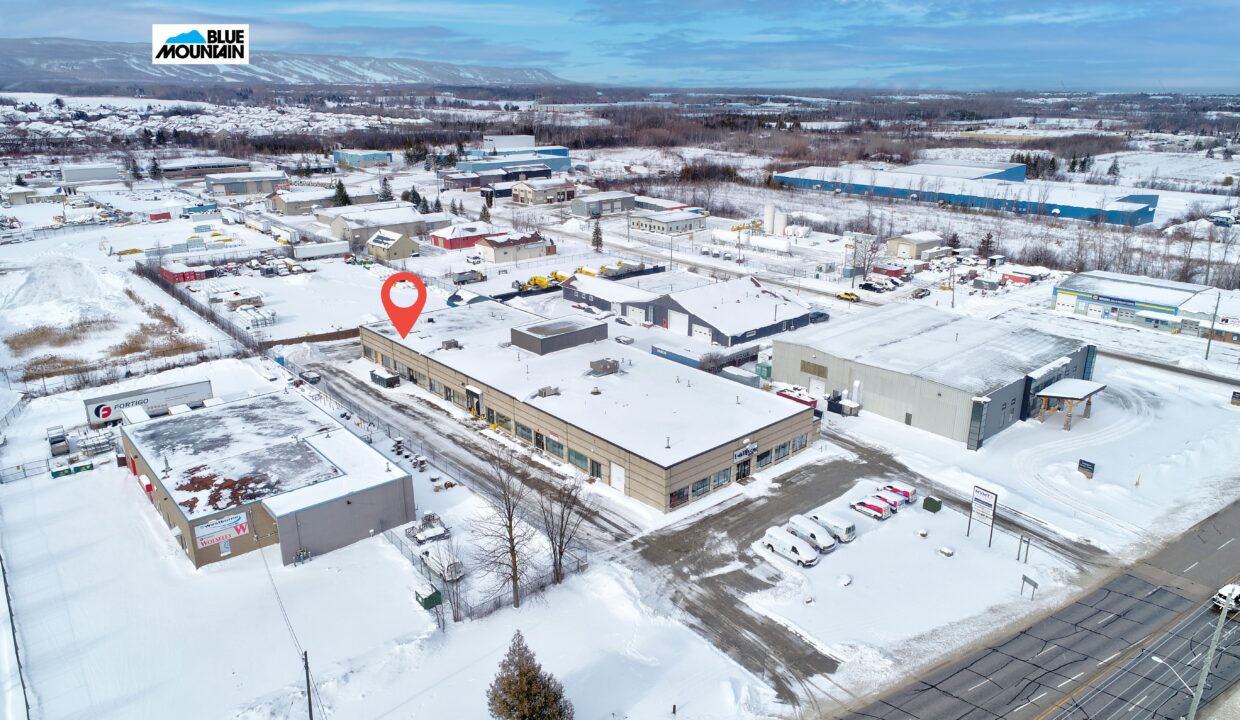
<point x="556" y="276"/>
<point x="538" y="281"/>
<point x="586" y="271"/>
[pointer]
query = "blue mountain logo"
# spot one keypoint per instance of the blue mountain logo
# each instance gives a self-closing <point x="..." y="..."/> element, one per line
<point x="191" y="37"/>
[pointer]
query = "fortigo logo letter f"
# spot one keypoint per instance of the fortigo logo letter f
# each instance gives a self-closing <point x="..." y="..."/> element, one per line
<point x="203" y="44"/>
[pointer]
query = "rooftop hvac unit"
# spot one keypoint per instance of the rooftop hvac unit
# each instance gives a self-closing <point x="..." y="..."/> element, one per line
<point x="548" y="391"/>
<point x="604" y="367"/>
<point x="450" y="345"/>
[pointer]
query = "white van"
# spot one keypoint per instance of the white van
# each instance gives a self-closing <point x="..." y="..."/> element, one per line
<point x="891" y="499"/>
<point x="842" y="530"/>
<point x="782" y="542"/>
<point x="811" y="532"/>
<point x="907" y="492"/>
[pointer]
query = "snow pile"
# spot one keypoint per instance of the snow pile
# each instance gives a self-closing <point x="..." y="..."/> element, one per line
<point x="59" y="291"/>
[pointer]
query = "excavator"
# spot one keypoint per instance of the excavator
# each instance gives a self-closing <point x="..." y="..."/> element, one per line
<point x="556" y="277"/>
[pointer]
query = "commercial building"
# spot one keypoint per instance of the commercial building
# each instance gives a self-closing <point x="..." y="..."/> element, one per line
<point x="914" y="245"/>
<point x="670" y="222"/>
<point x="514" y="246"/>
<point x="557" y="163"/>
<point x="389" y="246"/>
<point x="357" y="223"/>
<point x="543" y="191"/>
<point x="731" y="312"/>
<point x="89" y="172"/>
<point x="362" y="158"/>
<point x="624" y="300"/>
<point x="300" y="200"/>
<point x="1180" y="307"/>
<point x="245" y="183"/>
<point x="649" y="429"/>
<point x="643" y="202"/>
<point x="293" y="165"/>
<point x="515" y="148"/>
<point x="603" y="203"/>
<point x="987" y="186"/>
<point x="507" y="143"/>
<point x="461" y="235"/>
<point x="964" y="378"/>
<point x="17" y="194"/>
<point x="266" y="470"/>
<point x="194" y="167"/>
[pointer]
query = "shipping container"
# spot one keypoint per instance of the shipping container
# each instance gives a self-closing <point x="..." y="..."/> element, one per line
<point x="316" y="250"/>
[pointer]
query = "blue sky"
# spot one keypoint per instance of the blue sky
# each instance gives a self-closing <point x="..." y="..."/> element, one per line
<point x="1144" y="45"/>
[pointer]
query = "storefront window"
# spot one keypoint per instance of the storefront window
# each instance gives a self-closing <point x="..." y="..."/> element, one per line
<point x="503" y="421"/>
<point x="723" y="477"/>
<point x="555" y="447"/>
<point x="679" y="497"/>
<point x="578" y="459"/>
<point x="764" y="458"/>
<point x="701" y="487"/>
<point x="798" y="443"/>
<point x="781" y="451"/>
<point x="525" y="433"/>
<point x="596" y="470"/>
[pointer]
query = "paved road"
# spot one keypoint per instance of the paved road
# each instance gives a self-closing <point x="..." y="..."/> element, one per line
<point x="1092" y="659"/>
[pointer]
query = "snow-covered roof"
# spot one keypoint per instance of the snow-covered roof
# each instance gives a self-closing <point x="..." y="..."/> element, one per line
<point x="970" y="354"/>
<point x="660" y="202"/>
<point x="670" y="216"/>
<point x="924" y="236"/>
<point x="1155" y="291"/>
<point x="969" y="169"/>
<point x="255" y="449"/>
<point x="652" y="407"/>
<point x="198" y="162"/>
<point x="737" y="306"/>
<point x="1072" y="389"/>
<point x="364" y="208"/>
<point x="305" y="194"/>
<point x="462" y="230"/>
<point x="1205" y="302"/>
<point x="609" y="290"/>
<point x="512" y="238"/>
<point x="384" y="239"/>
<point x="242" y="176"/>
<point x="546" y="183"/>
<point x="605" y="196"/>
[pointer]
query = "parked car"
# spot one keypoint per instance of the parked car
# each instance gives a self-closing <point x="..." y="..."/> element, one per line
<point x="1227" y="598"/>
<point x="908" y="493"/>
<point x="623" y="321"/>
<point x="893" y="501"/>
<point x="624" y="339"/>
<point x="872" y="287"/>
<point x="872" y="508"/>
<point x="894" y="282"/>
<point x="781" y="542"/>
<point x="842" y="530"/>
<point x="311" y="377"/>
<point x="811" y="532"/>
<point x="818" y="316"/>
<point x="920" y="293"/>
<point x="848" y="296"/>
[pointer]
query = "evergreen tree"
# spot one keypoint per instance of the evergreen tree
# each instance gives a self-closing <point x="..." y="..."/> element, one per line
<point x="19" y="181"/>
<point x="953" y="240"/>
<point x="1113" y="171"/>
<point x="155" y="171"/>
<point x="485" y="215"/>
<point x="438" y="206"/>
<point x="423" y="207"/>
<point x="596" y="239"/>
<point x="414" y="197"/>
<point x="385" y="190"/>
<point x="1072" y="164"/>
<point x="134" y="170"/>
<point x="986" y="247"/>
<point x="342" y="195"/>
<point x="406" y="195"/>
<point x="521" y="689"/>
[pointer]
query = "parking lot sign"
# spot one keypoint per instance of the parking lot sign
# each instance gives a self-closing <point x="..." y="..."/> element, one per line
<point x="983" y="509"/>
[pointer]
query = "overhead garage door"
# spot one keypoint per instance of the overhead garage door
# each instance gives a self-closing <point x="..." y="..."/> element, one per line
<point x="1065" y="303"/>
<point x="636" y="313"/>
<point x="678" y="322"/>
<point x="703" y="332"/>
<point x="1095" y="310"/>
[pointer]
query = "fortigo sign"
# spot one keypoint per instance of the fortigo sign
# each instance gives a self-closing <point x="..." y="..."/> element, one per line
<point x="200" y="44"/>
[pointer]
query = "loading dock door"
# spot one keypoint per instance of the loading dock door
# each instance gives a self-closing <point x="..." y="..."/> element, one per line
<point x="617" y="478"/>
<point x="817" y="388"/>
<point x="1065" y="303"/>
<point x="703" y="333"/>
<point x="678" y="322"/>
<point x="636" y="313"/>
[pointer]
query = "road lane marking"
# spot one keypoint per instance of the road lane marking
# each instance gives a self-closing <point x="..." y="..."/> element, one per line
<point x="1220" y="547"/>
<point x="1190" y="567"/>
<point x="1038" y="697"/>
<point x="1065" y="682"/>
<point x="978" y="685"/>
<point x="1137" y="703"/>
<point x="1104" y="662"/>
<point x="1048" y="647"/>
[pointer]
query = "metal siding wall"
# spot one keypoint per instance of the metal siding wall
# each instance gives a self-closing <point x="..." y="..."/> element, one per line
<point x="344" y="521"/>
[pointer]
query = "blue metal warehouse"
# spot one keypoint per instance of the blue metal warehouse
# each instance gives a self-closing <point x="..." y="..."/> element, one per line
<point x="558" y="163"/>
<point x="987" y="186"/>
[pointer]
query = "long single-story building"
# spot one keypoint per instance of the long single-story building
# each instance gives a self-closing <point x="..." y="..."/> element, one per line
<point x="192" y="167"/>
<point x="461" y="235"/>
<point x="300" y="200"/>
<point x="557" y="163"/>
<point x="514" y="246"/>
<point x="625" y="300"/>
<point x="362" y="158"/>
<point x="964" y="378"/>
<point x="987" y="186"/>
<point x="543" y="191"/>
<point x="730" y="312"/>
<point x="76" y="174"/>
<point x="603" y="203"/>
<point x="671" y="222"/>
<point x="357" y="223"/>
<point x="649" y="429"/>
<point x="244" y="183"/>
<point x="270" y="469"/>
<point x="1186" y="308"/>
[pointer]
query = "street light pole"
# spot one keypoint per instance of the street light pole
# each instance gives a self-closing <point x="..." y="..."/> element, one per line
<point x="1213" y="318"/>
<point x="1205" y="666"/>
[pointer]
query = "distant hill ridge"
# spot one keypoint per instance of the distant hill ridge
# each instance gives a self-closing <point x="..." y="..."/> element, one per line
<point x="87" y="61"/>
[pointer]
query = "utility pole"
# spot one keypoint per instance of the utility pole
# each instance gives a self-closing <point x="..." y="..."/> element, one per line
<point x="1205" y="667"/>
<point x="1213" y="318"/>
<point x="305" y="659"/>
<point x="951" y="278"/>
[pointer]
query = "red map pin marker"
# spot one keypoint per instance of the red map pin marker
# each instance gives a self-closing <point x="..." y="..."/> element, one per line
<point x="403" y="318"/>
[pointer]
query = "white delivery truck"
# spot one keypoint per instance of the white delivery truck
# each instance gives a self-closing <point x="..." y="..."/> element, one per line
<point x="106" y="409"/>
<point x="812" y="533"/>
<point x="842" y="530"/>
<point x="443" y="563"/>
<point x="781" y="542"/>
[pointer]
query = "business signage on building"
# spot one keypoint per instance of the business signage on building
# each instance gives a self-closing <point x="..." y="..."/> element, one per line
<point x="983" y="510"/>
<point x="201" y="44"/>
<point x="745" y="453"/>
<point x="221" y="529"/>
<point x="1095" y="297"/>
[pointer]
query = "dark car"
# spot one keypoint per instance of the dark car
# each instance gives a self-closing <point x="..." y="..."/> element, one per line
<point x="818" y="316"/>
<point x="870" y="286"/>
<point x="623" y="321"/>
<point x="920" y="293"/>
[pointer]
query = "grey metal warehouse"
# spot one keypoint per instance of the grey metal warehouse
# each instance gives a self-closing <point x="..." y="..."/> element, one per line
<point x="963" y="378"/>
<point x="271" y="469"/>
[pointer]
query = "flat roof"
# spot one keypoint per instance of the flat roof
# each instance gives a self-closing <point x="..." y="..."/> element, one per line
<point x="968" y="169"/>
<point x="970" y="354"/>
<point x="736" y="306"/>
<point x="196" y="162"/>
<point x="1072" y="389"/>
<point x="655" y="408"/>
<point x="1155" y="291"/>
<point x="673" y="216"/>
<point x="256" y="175"/>
<point x="609" y="290"/>
<point x="609" y="195"/>
<point x="265" y="448"/>
<point x="562" y="325"/>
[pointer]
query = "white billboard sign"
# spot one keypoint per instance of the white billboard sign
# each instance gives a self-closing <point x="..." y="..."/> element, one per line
<point x="983" y="510"/>
<point x="221" y="529"/>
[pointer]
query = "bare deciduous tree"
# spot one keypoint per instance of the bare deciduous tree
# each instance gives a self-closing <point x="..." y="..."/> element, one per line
<point x="503" y="538"/>
<point x="562" y="508"/>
